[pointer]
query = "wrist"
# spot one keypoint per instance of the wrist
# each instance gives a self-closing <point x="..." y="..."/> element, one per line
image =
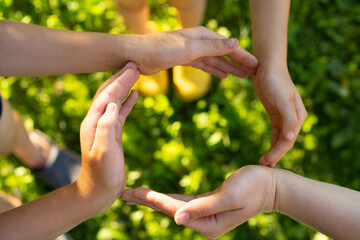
<point x="96" y="200"/>
<point x="125" y="49"/>
<point x="273" y="63"/>
<point x="282" y="179"/>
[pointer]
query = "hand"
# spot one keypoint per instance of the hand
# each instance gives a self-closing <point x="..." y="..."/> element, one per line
<point x="246" y="193"/>
<point x="198" y="47"/>
<point x="102" y="174"/>
<point x="285" y="108"/>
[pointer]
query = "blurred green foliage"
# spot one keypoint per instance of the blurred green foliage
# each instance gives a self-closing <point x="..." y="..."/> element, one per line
<point x="191" y="148"/>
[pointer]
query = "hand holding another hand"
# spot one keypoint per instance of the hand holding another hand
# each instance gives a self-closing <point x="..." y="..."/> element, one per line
<point x="246" y="193"/>
<point x="198" y="47"/>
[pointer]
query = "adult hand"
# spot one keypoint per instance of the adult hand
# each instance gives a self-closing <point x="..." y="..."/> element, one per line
<point x="102" y="175"/>
<point x="285" y="108"/>
<point x="246" y="193"/>
<point x="198" y="47"/>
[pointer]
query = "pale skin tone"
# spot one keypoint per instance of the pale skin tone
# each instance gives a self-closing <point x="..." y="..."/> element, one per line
<point x="29" y="50"/>
<point x="102" y="177"/>
<point x="272" y="83"/>
<point x="330" y="209"/>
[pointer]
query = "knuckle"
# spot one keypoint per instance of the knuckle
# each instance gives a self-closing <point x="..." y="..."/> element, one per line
<point x="104" y="123"/>
<point x="210" y="61"/>
<point x="201" y="28"/>
<point x="218" y="44"/>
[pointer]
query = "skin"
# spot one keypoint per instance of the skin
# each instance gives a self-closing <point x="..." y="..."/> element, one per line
<point x="60" y="52"/>
<point x="332" y="210"/>
<point x="273" y="83"/>
<point x="29" y="50"/>
<point x="136" y="13"/>
<point x="102" y="177"/>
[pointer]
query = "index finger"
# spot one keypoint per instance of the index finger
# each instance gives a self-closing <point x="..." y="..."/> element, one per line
<point x="117" y="89"/>
<point x="114" y="77"/>
<point x="155" y="200"/>
<point x="240" y="56"/>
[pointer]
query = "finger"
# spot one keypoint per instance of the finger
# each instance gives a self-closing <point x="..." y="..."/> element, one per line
<point x="127" y="106"/>
<point x="203" y="206"/>
<point x="301" y="112"/>
<point x="125" y="110"/>
<point x="245" y="60"/>
<point x="275" y="135"/>
<point x="119" y="88"/>
<point x="182" y="197"/>
<point x="289" y="119"/>
<point x="214" y="226"/>
<point x="105" y="130"/>
<point x="225" y="65"/>
<point x="281" y="147"/>
<point x="211" y="47"/>
<point x="114" y="77"/>
<point x="200" y="32"/>
<point x="155" y="200"/>
<point x="212" y="70"/>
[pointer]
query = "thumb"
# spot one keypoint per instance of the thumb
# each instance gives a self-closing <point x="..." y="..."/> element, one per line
<point x="202" y="207"/>
<point x="214" y="47"/>
<point x="105" y="130"/>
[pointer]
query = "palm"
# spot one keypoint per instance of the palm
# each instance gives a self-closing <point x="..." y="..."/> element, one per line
<point x="244" y="194"/>
<point x="286" y="111"/>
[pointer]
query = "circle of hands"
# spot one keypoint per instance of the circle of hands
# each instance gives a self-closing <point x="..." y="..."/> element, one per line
<point x="248" y="191"/>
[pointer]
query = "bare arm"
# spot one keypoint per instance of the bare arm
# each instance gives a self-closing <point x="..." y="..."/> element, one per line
<point x="48" y="217"/>
<point x="30" y="50"/>
<point x="102" y="177"/>
<point x="270" y="23"/>
<point x="333" y="210"/>
<point x="272" y="82"/>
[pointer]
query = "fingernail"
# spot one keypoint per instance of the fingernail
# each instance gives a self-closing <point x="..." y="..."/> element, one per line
<point x="290" y="135"/>
<point x="231" y="42"/>
<point x="110" y="107"/>
<point x="182" y="218"/>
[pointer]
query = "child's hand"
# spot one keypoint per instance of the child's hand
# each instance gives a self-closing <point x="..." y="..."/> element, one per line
<point x="102" y="177"/>
<point x="285" y="108"/>
<point x="246" y="193"/>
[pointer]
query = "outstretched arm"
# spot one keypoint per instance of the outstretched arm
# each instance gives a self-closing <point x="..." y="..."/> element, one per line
<point x="272" y="82"/>
<point x="331" y="209"/>
<point x="29" y="50"/>
<point x="102" y="177"/>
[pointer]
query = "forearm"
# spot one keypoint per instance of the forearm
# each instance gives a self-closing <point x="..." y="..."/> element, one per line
<point x="332" y="210"/>
<point x="49" y="216"/>
<point x="269" y="26"/>
<point x="30" y="50"/>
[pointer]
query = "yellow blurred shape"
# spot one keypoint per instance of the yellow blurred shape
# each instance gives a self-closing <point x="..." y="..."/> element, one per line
<point x="153" y="85"/>
<point x="310" y="142"/>
<point x="191" y="84"/>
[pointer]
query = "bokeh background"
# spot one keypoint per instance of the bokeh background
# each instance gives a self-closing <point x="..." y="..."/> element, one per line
<point x="172" y="146"/>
